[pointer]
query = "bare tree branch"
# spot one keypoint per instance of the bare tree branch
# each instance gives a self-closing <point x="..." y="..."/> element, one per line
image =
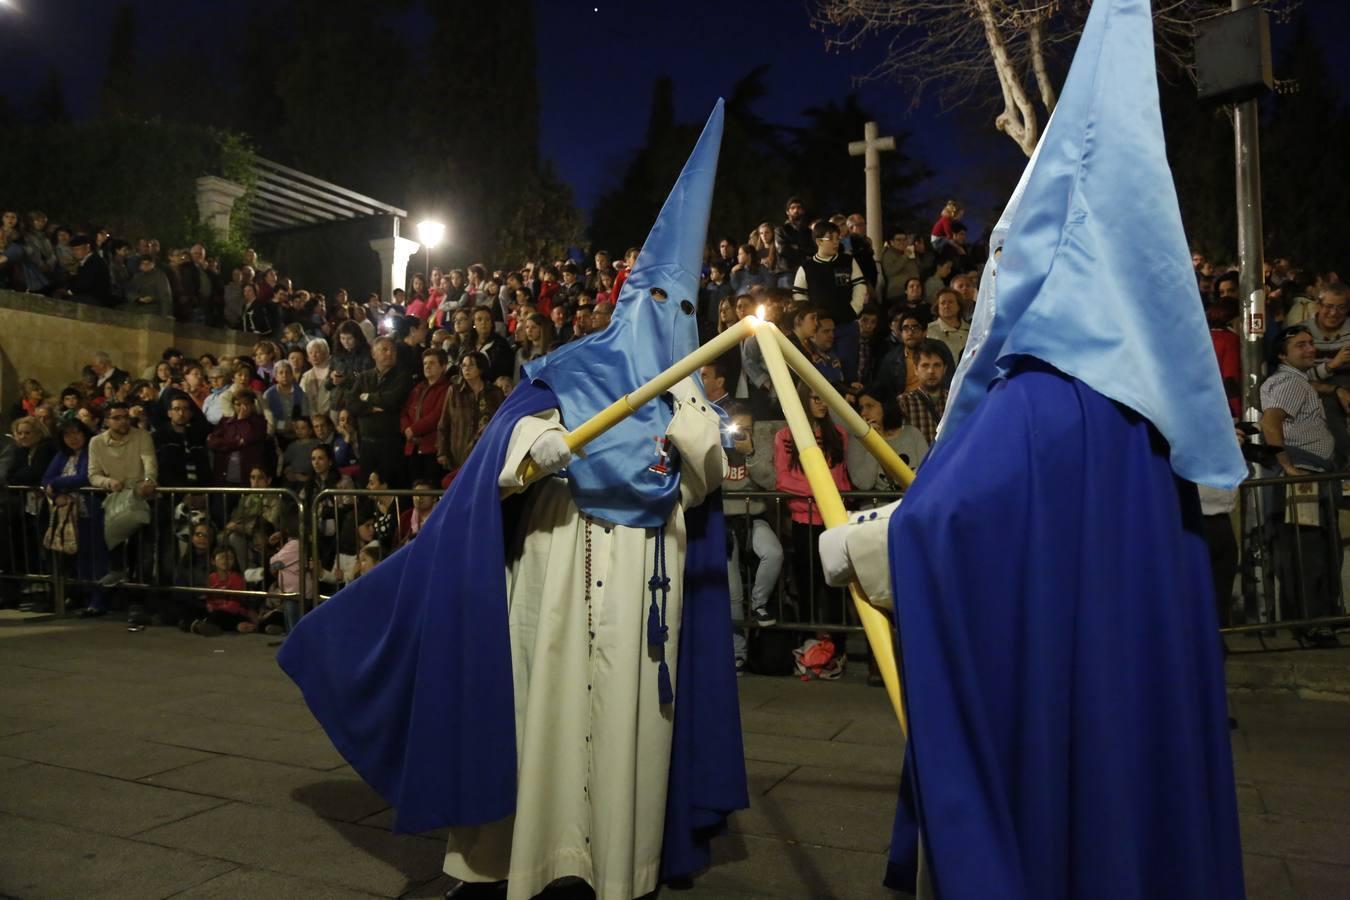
<point x="1035" y="35"/>
<point x="976" y="52"/>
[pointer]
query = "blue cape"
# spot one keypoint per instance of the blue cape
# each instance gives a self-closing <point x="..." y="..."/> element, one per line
<point x="408" y="670"/>
<point x="1066" y="695"/>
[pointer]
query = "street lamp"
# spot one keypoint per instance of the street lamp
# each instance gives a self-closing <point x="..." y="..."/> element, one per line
<point x="429" y="233"/>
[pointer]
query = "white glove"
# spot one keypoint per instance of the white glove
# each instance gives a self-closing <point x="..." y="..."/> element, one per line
<point x="834" y="562"/>
<point x="549" y="451"/>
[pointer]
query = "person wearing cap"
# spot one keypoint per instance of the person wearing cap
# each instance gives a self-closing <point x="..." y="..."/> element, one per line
<point x="91" y="282"/>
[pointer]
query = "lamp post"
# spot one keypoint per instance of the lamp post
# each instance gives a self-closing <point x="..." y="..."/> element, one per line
<point x="429" y="234"/>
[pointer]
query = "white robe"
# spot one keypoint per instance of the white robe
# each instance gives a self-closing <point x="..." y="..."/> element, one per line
<point x="593" y="740"/>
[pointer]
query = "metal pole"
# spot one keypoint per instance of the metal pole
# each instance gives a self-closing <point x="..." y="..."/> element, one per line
<point x="1251" y="277"/>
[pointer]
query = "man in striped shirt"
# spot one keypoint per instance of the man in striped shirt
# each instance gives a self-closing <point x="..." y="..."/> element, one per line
<point x="1307" y="560"/>
<point x="1292" y="416"/>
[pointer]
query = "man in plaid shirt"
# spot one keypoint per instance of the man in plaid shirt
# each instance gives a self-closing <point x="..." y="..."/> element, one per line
<point x="923" y="407"/>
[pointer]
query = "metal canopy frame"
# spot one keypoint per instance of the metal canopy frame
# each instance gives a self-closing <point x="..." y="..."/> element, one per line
<point x="285" y="199"/>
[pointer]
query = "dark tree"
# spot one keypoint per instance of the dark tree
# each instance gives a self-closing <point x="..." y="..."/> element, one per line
<point x="760" y="165"/>
<point x="1305" y="193"/>
<point x="50" y="105"/>
<point x="120" y="85"/>
<point x="830" y="181"/>
<point x="623" y="215"/>
<point x="473" y="132"/>
<point x="543" y="223"/>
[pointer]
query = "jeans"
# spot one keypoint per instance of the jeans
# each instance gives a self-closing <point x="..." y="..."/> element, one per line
<point x="764" y="544"/>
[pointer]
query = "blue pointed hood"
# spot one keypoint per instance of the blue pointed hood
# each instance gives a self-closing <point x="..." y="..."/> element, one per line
<point x="653" y="327"/>
<point x="1095" y="273"/>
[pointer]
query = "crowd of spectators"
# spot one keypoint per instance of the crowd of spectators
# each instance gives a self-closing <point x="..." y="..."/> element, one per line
<point x="394" y="392"/>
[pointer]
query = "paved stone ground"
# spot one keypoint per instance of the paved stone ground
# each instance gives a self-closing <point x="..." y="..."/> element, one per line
<point x="158" y="765"/>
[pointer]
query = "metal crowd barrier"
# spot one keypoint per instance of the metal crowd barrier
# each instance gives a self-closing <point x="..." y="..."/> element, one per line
<point x="157" y="558"/>
<point x="802" y="602"/>
<point x="1291" y="554"/>
<point x="1288" y="529"/>
<point x="337" y="517"/>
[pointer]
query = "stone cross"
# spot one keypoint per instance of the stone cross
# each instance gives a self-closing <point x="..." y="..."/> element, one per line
<point x="870" y="149"/>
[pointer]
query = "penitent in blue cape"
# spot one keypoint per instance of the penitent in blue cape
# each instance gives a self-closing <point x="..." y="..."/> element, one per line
<point x="409" y="668"/>
<point x="653" y="328"/>
<point x="1054" y="603"/>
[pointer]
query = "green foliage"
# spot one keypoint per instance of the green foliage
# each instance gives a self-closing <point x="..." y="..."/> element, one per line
<point x="542" y="223"/>
<point x="137" y="178"/>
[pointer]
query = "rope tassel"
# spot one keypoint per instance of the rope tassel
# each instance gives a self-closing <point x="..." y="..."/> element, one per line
<point x="658" y="632"/>
<point x="664" y="690"/>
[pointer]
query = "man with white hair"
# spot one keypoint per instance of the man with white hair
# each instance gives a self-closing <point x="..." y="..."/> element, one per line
<point x="103" y="367"/>
<point x="315" y="382"/>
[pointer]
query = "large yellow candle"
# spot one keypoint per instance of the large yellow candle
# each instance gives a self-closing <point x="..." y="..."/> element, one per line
<point x="875" y="624"/>
<point x="626" y="405"/>
<point x="890" y="460"/>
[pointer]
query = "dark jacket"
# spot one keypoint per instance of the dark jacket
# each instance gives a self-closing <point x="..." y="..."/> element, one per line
<point x="501" y="358"/>
<point x="91" y="282"/>
<point x="28" y="467"/>
<point x="248" y="437"/>
<point x="385" y="392"/>
<point x="184" y="460"/>
<point x="261" y="317"/>
<point x="794" y="243"/>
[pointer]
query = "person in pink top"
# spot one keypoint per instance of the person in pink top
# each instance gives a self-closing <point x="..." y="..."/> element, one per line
<point x="285" y="563"/>
<point x="826" y="604"/>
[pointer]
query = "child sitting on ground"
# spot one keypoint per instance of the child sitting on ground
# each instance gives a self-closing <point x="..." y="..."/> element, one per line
<point x="224" y="612"/>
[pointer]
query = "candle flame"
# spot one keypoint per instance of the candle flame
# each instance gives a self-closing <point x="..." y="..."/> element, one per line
<point x="759" y="312"/>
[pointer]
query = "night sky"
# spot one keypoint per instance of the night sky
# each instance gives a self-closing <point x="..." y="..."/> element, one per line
<point x="597" y="63"/>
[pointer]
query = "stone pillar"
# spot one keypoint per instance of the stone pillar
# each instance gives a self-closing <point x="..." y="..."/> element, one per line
<point x="394" y="255"/>
<point x="215" y="201"/>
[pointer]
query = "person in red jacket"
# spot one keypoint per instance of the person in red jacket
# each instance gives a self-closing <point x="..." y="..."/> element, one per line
<point x="1228" y="349"/>
<point x="240" y="442"/>
<point x="621" y="273"/>
<point x="548" y="289"/>
<point x="421" y="417"/>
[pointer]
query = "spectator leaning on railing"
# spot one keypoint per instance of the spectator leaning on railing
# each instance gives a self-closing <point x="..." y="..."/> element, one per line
<point x="1293" y="419"/>
<point x="123" y="459"/>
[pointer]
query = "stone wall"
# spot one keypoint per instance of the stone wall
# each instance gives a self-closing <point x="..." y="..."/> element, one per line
<point x="52" y="340"/>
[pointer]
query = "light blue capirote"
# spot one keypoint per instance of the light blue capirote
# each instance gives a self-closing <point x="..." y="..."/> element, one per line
<point x="1095" y="274"/>
<point x="620" y="478"/>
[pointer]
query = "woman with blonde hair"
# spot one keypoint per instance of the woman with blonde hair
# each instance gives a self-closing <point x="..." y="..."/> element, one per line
<point x="944" y="230"/>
